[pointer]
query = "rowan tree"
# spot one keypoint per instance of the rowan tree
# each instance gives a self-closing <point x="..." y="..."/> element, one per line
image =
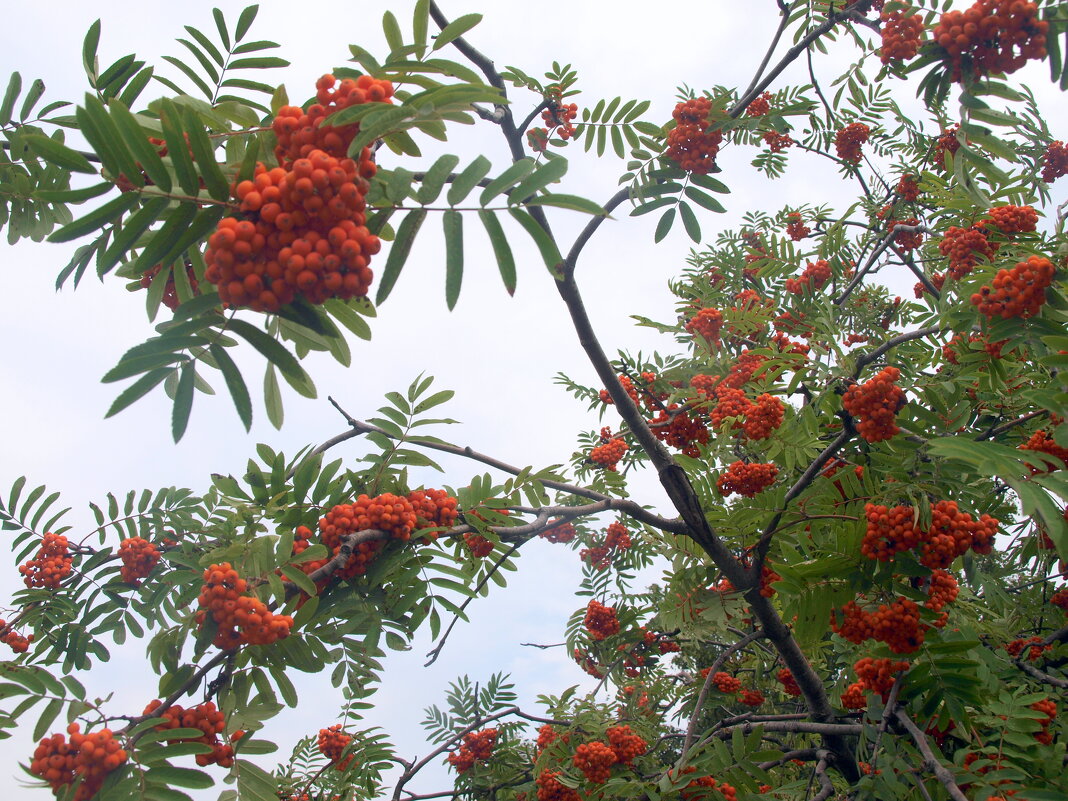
<point x="862" y="595"/>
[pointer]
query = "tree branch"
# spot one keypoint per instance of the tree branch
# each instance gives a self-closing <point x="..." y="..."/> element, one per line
<point x="930" y="760"/>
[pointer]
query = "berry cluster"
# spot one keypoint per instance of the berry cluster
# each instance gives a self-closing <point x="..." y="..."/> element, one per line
<point x="946" y="143"/>
<point x="617" y="539"/>
<point x="902" y="34"/>
<point x="1042" y="442"/>
<point x="242" y="619"/>
<point x="746" y="478"/>
<point x="725" y="682"/>
<point x="560" y="117"/>
<point x="777" y="142"/>
<point x="753" y="698"/>
<point x="17" y="642"/>
<point x="479" y="546"/>
<point x="170" y="292"/>
<point x="601" y="621"/>
<point x="763" y="417"/>
<point x="89" y="757"/>
<point x="814" y="276"/>
<point x="561" y="533"/>
<point x="848" y="140"/>
<point x="788" y="682"/>
<point x="434" y="508"/>
<point x="699" y="789"/>
<point x="1014" y="219"/>
<point x="993" y="36"/>
<point x="1049" y="709"/>
<point x="898" y="625"/>
<point x="205" y="717"/>
<point x="689" y="145"/>
<point x="907" y="188"/>
<point x="942" y="590"/>
<point x="139" y="557"/>
<point x="878" y="675"/>
<point x="760" y="106"/>
<point x="609" y="454"/>
<point x="538" y="139"/>
<point x="332" y="744"/>
<point x="1035" y="647"/>
<point x="964" y="247"/>
<point x="795" y="227"/>
<point x="1060" y="599"/>
<point x="550" y="789"/>
<point x="50" y="566"/>
<point x="476" y="747"/>
<point x="706" y="323"/>
<point x="1054" y="162"/>
<point x="392" y="514"/>
<point x="626" y="745"/>
<point x="950" y="349"/>
<point x="674" y="426"/>
<point x="595" y="760"/>
<point x="875" y="403"/>
<point x="1019" y="292"/>
<point x="906" y="240"/>
<point x="952" y="533"/>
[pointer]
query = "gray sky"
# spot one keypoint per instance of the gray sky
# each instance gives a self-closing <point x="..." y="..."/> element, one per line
<point x="499" y="354"/>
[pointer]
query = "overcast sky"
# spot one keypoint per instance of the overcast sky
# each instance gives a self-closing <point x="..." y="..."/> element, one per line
<point x="499" y="354"/>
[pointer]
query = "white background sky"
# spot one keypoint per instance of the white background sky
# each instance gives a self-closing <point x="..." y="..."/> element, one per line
<point x="499" y="354"/>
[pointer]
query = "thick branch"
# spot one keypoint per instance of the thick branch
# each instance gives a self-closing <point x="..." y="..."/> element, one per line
<point x="930" y="760"/>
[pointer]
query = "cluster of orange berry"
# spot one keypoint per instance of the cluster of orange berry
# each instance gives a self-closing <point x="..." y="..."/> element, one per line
<point x="1049" y="709"/>
<point x="139" y="557"/>
<point x="725" y="682"/>
<point x="1014" y="219"/>
<point x="170" y="292"/>
<point x="699" y="789"/>
<point x="50" y="566"/>
<point x="601" y="621"/>
<point x="878" y="675"/>
<point x="1060" y="599"/>
<point x="950" y="352"/>
<point x="992" y="36"/>
<point x="952" y="533"/>
<point x="746" y="478"/>
<point x="763" y="417"/>
<point x="777" y="142"/>
<point x="1019" y="292"/>
<point x="476" y="747"/>
<point x="898" y="625"/>
<point x="538" y="139"/>
<point x="855" y="339"/>
<point x="814" y="276"/>
<point x="788" y="682"/>
<point x="795" y="226"/>
<point x="332" y="743"/>
<point x="561" y="533"/>
<point x="608" y="454"/>
<point x="561" y="116"/>
<point x="89" y="757"/>
<point x="389" y="513"/>
<point x="689" y="144"/>
<point x="1042" y="442"/>
<point x="550" y="788"/>
<point x="760" y="106"/>
<point x="617" y="539"/>
<point x="678" y="429"/>
<point x="1035" y="647"/>
<point x="302" y="231"/>
<point x="706" y="323"/>
<point x="902" y="34"/>
<point x="18" y="643"/>
<point x="908" y="189"/>
<point x="1054" y="162"/>
<point x="848" y="140"/>
<point x="205" y="717"/>
<point x="906" y="240"/>
<point x="241" y="619"/>
<point x="595" y="759"/>
<point x="875" y="403"/>
<point x="964" y="247"/>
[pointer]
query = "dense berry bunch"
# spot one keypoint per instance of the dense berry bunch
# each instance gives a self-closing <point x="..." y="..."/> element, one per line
<point x="626" y="745"/>
<point x="89" y="757"/>
<point x="595" y="760"/>
<point x="609" y="454"/>
<point x="477" y="746"/>
<point x="332" y="744"/>
<point x="964" y="247"/>
<point x="814" y="276"/>
<point x="731" y="404"/>
<point x="170" y="292"/>
<point x="952" y="533"/>
<point x="1019" y="292"/>
<point x="479" y="546"/>
<point x="908" y="189"/>
<point x="777" y="142"/>
<point x="601" y="621"/>
<point x="17" y="642"/>
<point x="560" y="533"/>
<point x="795" y="227"/>
<point x="898" y="625"/>
<point x="617" y="539"/>
<point x="550" y="789"/>
<point x="1042" y="442"/>
<point x="205" y="717"/>
<point x="50" y="566"/>
<point x="699" y="789"/>
<point x="760" y="106"/>
<point x="678" y="429"/>
<point x="942" y="591"/>
<point x="393" y="514"/>
<point x="1034" y="646"/>
<point x="725" y="682"/>
<point x="993" y="36"/>
<point x="875" y="403"/>
<point x="878" y="675"/>
<point x="706" y="323"/>
<point x="753" y="698"/>
<point x="138" y="557"/>
<point x="1055" y="162"/>
<point x="538" y="139"/>
<point x="853" y="697"/>
<point x="689" y="145"/>
<point x="433" y="508"/>
<point x="848" y="140"/>
<point x="242" y="619"/>
<point x="1014" y="219"/>
<point x="789" y="683"/>
<point x="763" y="417"/>
<point x="958" y="345"/>
<point x="746" y="478"/>
<point x="946" y="143"/>
<point x="1049" y="709"/>
<point x="902" y="34"/>
<point x="906" y="240"/>
<point x="561" y="116"/>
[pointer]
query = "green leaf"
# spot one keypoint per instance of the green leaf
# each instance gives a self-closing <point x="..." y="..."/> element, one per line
<point x="455" y="29"/>
<point x="272" y="397"/>
<point x="55" y="152"/>
<point x="177" y="148"/>
<point x="269" y="347"/>
<point x="572" y="202"/>
<point x="420" y="23"/>
<point x="689" y="222"/>
<point x="208" y="45"/>
<point x="434" y="179"/>
<point x="398" y="252"/>
<point x="217" y="183"/>
<point x="99" y="130"/>
<point x="704" y="200"/>
<point x="89" y="45"/>
<point x="95" y="219"/>
<point x="74" y="195"/>
<point x="129" y="234"/>
<point x="468" y="179"/>
<point x="348" y="318"/>
<point x="183" y="400"/>
<point x="392" y="30"/>
<point x="550" y="253"/>
<point x="191" y="74"/>
<point x="234" y="383"/>
<point x="186" y="225"/>
<point x="259" y="63"/>
<point x="138" y="390"/>
<point x="453" y="223"/>
<point x="664" y="226"/>
<point x="515" y="173"/>
<point x="300" y="578"/>
<point x="136" y="139"/>
<point x="548" y="173"/>
<point x="254" y="783"/>
<point x="502" y="251"/>
<point x="183" y="777"/>
<point x="244" y="22"/>
<point x="48" y="717"/>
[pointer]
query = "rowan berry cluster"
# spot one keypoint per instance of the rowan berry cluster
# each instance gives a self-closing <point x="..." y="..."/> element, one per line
<point x="746" y="478"/>
<point x="561" y="533"/>
<point x="938" y="280"/>
<point x="479" y="546"/>
<point x="777" y="142"/>
<point x="878" y="675"/>
<point x="908" y="189"/>
<point x="626" y="745"/>
<point x="847" y="141"/>
<point x="601" y="621"/>
<point x="617" y="539"/>
<point x="906" y="240"/>
<point x="689" y="144"/>
<point x="753" y="698"/>
<point x="595" y="760"/>
<point x="1060" y="599"/>
<point x="855" y="339"/>
<point x="538" y="139"/>
<point x="476" y="747"/>
<point x="678" y="429"/>
<point x="242" y="619"/>
<point x="952" y="533"/>
<point x="699" y="789"/>
<point x="1054" y="162"/>
<point x="609" y="454"/>
<point x="964" y="247"/>
<point x="706" y="323"/>
<point x="332" y="743"/>
<point x="1019" y="292"/>
<point x="731" y="404"/>
<point x="205" y="717"/>
<point x="950" y="349"/>
<point x="1014" y="219"/>
<point x="993" y="36"/>
<point x="434" y="508"/>
<point x="814" y="276"/>
<point x="17" y="642"/>
<point x="898" y="625"/>
<point x="942" y="590"/>
<point x="392" y="514"/>
<point x="139" y="557"/>
<point x="788" y="682"/>
<point x="902" y="34"/>
<point x="50" y="566"/>
<point x="170" y="292"/>
<point x="550" y="789"/>
<point x="875" y="403"/>
<point x="1042" y="442"/>
<point x="725" y="682"/>
<point x="763" y="417"/>
<point x="560" y="116"/>
<point x="1035" y="647"/>
<point x="795" y="227"/>
<point x="1049" y="709"/>
<point x="760" y="106"/>
<point x="89" y="757"/>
